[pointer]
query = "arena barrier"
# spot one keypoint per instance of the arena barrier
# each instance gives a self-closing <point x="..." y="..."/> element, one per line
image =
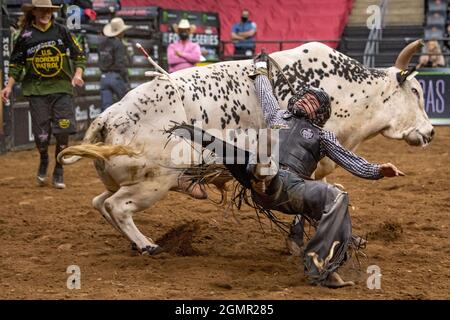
<point x="436" y="90"/>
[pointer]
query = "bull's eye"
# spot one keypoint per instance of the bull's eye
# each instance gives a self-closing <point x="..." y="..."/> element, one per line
<point x="416" y="93"/>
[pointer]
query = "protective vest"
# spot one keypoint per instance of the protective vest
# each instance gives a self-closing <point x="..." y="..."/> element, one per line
<point x="300" y="146"/>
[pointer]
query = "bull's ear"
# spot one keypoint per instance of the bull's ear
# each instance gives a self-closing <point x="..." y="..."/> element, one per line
<point x="404" y="75"/>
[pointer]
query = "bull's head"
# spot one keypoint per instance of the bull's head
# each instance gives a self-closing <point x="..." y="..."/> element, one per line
<point x="405" y="106"/>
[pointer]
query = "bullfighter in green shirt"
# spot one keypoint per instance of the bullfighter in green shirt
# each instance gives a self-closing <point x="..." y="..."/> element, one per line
<point x="41" y="61"/>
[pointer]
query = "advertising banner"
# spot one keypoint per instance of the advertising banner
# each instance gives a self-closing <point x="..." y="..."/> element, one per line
<point x="436" y="90"/>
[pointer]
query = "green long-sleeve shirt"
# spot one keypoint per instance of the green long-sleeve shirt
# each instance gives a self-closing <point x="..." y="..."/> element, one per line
<point x="45" y="56"/>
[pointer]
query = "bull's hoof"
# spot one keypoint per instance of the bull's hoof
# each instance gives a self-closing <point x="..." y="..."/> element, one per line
<point x="152" y="250"/>
<point x="335" y="281"/>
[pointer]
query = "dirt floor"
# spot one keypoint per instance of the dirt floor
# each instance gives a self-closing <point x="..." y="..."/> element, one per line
<point x="217" y="255"/>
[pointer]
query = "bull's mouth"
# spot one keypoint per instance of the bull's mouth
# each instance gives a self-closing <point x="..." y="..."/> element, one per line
<point x="418" y="139"/>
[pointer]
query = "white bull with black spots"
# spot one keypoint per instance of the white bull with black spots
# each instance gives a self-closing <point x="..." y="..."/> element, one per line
<point x="134" y="162"/>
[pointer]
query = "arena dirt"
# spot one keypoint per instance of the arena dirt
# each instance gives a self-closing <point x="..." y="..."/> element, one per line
<point x="214" y="254"/>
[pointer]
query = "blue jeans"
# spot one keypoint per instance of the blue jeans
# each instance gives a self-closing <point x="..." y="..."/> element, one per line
<point x="111" y="83"/>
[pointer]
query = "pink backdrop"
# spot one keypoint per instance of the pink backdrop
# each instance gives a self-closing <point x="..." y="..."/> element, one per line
<point x="276" y="20"/>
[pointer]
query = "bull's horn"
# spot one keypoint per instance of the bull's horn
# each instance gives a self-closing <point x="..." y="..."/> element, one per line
<point x="406" y="54"/>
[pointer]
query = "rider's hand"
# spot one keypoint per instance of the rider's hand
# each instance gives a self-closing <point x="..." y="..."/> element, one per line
<point x="389" y="170"/>
<point x="261" y="64"/>
<point x="261" y="60"/>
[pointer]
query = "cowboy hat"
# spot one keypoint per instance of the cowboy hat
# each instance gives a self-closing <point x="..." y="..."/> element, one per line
<point x="115" y="27"/>
<point x="39" y="4"/>
<point x="184" y="25"/>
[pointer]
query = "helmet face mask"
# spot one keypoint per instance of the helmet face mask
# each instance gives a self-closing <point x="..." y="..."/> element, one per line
<point x="312" y="104"/>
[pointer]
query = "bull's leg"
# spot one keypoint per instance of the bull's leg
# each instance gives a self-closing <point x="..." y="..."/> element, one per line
<point x="324" y="168"/>
<point x="99" y="203"/>
<point x="131" y="199"/>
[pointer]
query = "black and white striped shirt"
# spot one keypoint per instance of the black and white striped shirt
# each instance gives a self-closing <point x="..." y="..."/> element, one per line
<point x="329" y="146"/>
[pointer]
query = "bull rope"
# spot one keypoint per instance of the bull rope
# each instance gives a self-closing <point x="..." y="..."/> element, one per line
<point x="161" y="70"/>
<point x="282" y="74"/>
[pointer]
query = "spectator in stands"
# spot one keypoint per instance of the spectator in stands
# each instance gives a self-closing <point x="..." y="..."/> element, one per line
<point x="437" y="5"/>
<point x="434" y="33"/>
<point x="436" y="18"/>
<point x="183" y="53"/>
<point x="39" y="55"/>
<point x="447" y="35"/>
<point x="243" y="34"/>
<point x="432" y="57"/>
<point x="113" y="61"/>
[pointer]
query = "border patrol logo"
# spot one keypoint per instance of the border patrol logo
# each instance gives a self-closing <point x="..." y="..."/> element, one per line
<point x="47" y="62"/>
<point x="64" y="123"/>
<point x="307" y="133"/>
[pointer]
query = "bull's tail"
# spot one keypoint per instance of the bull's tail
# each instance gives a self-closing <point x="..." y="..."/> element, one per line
<point x="95" y="151"/>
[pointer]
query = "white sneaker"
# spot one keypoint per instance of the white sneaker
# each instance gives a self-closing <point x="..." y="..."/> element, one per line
<point x="58" y="179"/>
<point x="59" y="185"/>
<point x="42" y="173"/>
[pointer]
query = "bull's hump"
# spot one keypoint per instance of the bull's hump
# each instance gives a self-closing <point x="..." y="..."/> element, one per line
<point x="320" y="66"/>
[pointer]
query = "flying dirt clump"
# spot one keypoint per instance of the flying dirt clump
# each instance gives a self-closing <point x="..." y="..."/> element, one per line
<point x="178" y="240"/>
<point x="387" y="231"/>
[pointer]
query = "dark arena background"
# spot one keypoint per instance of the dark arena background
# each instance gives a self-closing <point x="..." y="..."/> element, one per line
<point x="212" y="253"/>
